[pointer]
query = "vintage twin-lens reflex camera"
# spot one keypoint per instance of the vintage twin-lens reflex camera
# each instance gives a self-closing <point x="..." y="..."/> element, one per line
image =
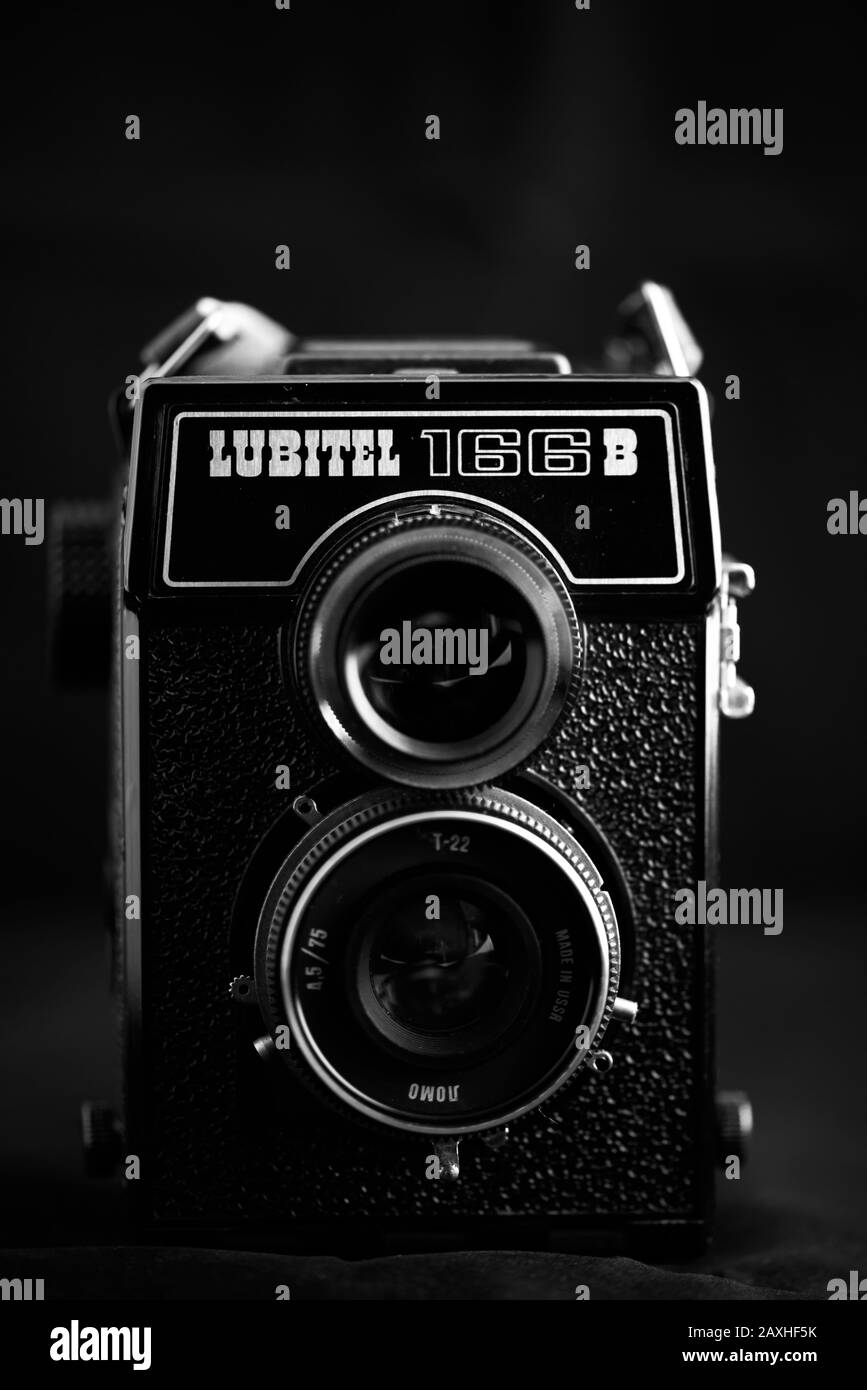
<point x="420" y="653"/>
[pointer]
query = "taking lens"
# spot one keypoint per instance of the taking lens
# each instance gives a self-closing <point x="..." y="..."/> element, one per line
<point x="442" y="962"/>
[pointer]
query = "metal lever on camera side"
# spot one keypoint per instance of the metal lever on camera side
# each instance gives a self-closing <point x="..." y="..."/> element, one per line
<point x="211" y="338"/>
<point x="445" y="1152"/>
<point x="737" y="699"/>
<point x="653" y="338"/>
<point x="214" y="338"/>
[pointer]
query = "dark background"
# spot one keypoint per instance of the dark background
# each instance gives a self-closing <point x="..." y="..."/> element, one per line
<point x="307" y="127"/>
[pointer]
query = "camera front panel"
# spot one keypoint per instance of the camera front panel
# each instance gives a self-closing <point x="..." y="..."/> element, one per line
<point x="598" y="749"/>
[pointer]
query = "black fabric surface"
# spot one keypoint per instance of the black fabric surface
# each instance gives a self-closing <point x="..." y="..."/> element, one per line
<point x="773" y="1254"/>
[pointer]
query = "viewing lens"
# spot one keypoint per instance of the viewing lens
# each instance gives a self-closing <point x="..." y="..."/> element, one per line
<point x="438" y="654"/>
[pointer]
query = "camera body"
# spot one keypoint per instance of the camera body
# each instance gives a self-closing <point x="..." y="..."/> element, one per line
<point x="417" y="681"/>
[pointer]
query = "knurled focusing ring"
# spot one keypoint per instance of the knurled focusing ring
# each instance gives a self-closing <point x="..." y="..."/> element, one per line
<point x="438" y="648"/>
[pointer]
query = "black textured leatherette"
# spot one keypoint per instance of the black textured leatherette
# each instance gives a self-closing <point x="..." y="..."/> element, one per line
<point x="217" y="720"/>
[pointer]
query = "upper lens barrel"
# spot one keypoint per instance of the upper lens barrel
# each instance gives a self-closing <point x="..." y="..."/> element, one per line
<point x="440" y="650"/>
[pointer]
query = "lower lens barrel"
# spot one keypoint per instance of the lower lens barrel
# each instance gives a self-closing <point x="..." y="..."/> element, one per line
<point x="442" y="963"/>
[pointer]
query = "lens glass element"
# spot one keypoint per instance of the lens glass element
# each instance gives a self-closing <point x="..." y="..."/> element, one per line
<point x="444" y="963"/>
<point x="440" y="975"/>
<point x="446" y="671"/>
